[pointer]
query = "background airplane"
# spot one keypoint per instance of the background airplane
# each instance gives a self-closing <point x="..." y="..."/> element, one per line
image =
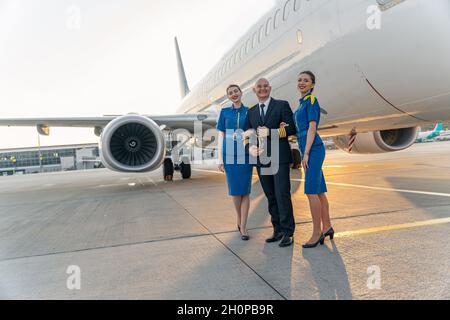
<point x="430" y="135"/>
<point x="365" y="80"/>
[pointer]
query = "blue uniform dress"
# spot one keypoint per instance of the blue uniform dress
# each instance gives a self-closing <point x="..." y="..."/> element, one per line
<point x="236" y="162"/>
<point x="309" y="110"/>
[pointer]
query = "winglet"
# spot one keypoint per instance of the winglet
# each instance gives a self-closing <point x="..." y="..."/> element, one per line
<point x="184" y="88"/>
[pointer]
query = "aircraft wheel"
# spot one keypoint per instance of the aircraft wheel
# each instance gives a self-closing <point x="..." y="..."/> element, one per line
<point x="186" y="171"/>
<point x="168" y="170"/>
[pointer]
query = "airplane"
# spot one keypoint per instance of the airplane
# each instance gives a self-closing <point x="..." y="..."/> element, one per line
<point x="430" y="135"/>
<point x="365" y="80"/>
<point x="444" y="136"/>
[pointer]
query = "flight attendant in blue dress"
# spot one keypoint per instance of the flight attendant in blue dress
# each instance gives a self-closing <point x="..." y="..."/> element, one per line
<point x="232" y="157"/>
<point x="307" y="120"/>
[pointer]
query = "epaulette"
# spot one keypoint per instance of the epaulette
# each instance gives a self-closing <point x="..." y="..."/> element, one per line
<point x="312" y="97"/>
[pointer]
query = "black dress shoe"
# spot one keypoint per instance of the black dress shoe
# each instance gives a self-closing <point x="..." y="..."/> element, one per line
<point x="275" y="237"/>
<point x="286" y="241"/>
<point x="313" y="245"/>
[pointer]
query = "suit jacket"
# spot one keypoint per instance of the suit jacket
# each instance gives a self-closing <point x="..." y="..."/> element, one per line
<point x="277" y="112"/>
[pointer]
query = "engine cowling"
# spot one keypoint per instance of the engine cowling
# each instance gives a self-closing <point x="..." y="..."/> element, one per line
<point x="379" y="141"/>
<point x="132" y="143"/>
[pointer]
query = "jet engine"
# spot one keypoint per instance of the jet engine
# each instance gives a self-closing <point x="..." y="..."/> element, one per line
<point x="379" y="141"/>
<point x="132" y="143"/>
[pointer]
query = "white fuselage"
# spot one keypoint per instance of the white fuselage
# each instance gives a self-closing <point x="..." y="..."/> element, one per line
<point x="397" y="76"/>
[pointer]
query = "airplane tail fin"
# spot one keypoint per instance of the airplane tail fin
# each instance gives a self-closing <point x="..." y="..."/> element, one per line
<point x="184" y="88"/>
<point x="439" y="127"/>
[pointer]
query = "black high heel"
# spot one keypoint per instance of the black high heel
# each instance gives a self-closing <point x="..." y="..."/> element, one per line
<point x="244" y="237"/>
<point x="313" y="245"/>
<point x="329" y="233"/>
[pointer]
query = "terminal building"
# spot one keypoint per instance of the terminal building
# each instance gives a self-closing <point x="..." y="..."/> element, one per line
<point x="49" y="159"/>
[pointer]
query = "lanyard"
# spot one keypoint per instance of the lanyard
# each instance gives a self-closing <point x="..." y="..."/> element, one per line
<point x="238" y="122"/>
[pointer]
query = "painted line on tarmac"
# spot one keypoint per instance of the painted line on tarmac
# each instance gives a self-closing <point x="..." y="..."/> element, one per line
<point x="396" y="227"/>
<point x="209" y="171"/>
<point x="437" y="194"/>
<point x="383" y="189"/>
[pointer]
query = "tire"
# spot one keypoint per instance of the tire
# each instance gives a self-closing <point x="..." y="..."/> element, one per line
<point x="168" y="170"/>
<point x="186" y="171"/>
<point x="297" y="159"/>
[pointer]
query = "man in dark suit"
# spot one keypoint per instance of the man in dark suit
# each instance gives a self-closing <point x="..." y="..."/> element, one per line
<point x="273" y="157"/>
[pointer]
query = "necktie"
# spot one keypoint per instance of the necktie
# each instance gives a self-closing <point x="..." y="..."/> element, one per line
<point x="263" y="115"/>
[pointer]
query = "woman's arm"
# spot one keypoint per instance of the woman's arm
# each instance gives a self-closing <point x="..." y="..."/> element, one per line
<point x="309" y="142"/>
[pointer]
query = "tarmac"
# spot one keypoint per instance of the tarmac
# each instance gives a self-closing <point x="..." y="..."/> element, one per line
<point x="135" y="236"/>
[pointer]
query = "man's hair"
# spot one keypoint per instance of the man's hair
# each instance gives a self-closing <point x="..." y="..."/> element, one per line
<point x="262" y="79"/>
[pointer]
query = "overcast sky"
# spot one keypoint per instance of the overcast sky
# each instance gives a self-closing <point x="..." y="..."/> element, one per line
<point x="97" y="57"/>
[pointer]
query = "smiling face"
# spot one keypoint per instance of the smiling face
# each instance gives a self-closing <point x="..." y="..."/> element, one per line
<point x="234" y="93"/>
<point x="305" y="83"/>
<point x="262" y="89"/>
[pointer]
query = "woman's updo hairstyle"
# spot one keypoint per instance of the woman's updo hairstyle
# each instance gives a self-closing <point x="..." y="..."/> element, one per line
<point x="313" y="77"/>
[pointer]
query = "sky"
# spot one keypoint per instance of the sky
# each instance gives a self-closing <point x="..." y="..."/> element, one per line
<point x="104" y="57"/>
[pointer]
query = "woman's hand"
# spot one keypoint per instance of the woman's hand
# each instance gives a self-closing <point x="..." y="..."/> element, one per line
<point x="305" y="162"/>
<point x="283" y="125"/>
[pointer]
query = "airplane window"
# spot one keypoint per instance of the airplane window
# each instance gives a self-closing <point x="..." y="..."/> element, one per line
<point x="287" y="10"/>
<point x="261" y="33"/>
<point x="242" y="52"/>
<point x="299" y="36"/>
<point x="297" y="5"/>
<point x="247" y="47"/>
<point x="276" y="20"/>
<point x="255" y="39"/>
<point x="268" y="25"/>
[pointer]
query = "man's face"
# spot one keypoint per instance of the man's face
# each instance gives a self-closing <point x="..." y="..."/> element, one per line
<point x="262" y="89"/>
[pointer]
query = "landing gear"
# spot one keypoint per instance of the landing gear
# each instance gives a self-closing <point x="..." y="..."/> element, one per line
<point x="297" y="159"/>
<point x="168" y="169"/>
<point x="184" y="167"/>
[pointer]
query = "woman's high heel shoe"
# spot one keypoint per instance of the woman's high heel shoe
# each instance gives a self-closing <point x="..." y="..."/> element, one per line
<point x="244" y="237"/>
<point x="329" y="233"/>
<point x="313" y="245"/>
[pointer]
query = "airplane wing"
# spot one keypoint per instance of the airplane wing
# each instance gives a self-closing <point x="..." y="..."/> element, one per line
<point x="171" y="122"/>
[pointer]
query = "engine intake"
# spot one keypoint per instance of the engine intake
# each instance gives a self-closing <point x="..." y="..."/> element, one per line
<point x="380" y="141"/>
<point x="132" y="143"/>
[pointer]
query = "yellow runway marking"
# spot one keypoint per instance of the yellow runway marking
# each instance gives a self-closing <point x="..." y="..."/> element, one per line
<point x="392" y="228"/>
